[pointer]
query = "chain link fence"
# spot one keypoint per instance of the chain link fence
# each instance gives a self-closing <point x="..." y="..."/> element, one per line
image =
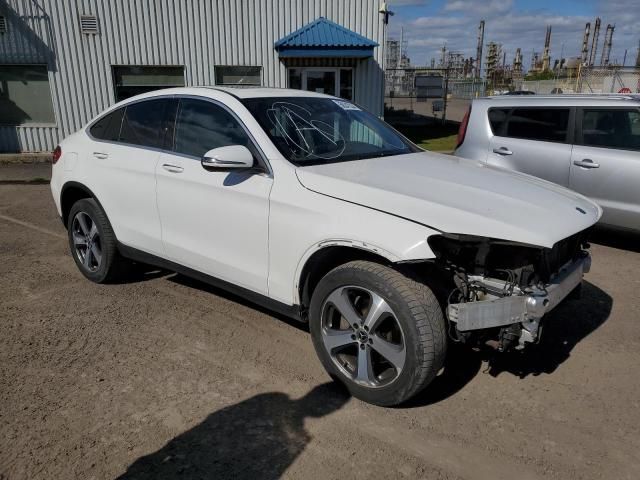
<point x="414" y="95"/>
<point x="589" y="80"/>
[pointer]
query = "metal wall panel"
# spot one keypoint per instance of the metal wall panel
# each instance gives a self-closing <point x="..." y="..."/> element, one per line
<point x="195" y="33"/>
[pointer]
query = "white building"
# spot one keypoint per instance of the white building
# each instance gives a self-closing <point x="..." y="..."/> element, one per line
<point x="64" y="61"/>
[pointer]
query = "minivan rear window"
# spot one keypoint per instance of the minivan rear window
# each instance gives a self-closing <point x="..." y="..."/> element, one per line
<point x="497" y="119"/>
<point x="543" y="124"/>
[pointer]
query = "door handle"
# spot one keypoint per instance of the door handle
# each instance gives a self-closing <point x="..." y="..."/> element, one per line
<point x="100" y="155"/>
<point x="586" y="163"/>
<point x="172" y="168"/>
<point x="502" y="151"/>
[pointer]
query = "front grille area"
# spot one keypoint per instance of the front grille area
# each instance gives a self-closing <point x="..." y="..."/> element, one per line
<point x="568" y="249"/>
<point x="522" y="265"/>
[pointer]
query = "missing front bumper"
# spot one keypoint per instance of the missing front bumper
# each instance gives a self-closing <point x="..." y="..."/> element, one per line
<point x="525" y="308"/>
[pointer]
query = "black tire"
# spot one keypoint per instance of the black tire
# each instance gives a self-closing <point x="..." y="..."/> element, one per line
<point x="112" y="265"/>
<point x="418" y="313"/>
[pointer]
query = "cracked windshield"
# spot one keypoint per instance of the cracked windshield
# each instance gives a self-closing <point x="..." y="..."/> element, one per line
<point x="310" y="130"/>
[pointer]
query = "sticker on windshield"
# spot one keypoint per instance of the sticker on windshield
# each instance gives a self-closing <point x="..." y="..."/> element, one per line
<point x="345" y="105"/>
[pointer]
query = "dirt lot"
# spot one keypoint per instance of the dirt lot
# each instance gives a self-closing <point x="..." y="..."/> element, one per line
<point x="163" y="377"/>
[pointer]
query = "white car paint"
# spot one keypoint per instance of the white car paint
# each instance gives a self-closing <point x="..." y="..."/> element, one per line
<point x="455" y="195"/>
<point x="259" y="232"/>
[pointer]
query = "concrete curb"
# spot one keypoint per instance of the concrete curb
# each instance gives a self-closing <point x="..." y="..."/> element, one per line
<point x="20" y="158"/>
<point x="20" y="173"/>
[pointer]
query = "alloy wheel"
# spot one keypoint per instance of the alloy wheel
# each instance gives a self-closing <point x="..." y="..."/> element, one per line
<point x="363" y="336"/>
<point x="86" y="241"/>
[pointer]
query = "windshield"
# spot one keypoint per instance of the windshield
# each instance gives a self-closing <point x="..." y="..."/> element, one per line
<point x="312" y="130"/>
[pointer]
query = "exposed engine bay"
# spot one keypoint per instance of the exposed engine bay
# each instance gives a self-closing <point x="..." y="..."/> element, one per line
<point x="500" y="290"/>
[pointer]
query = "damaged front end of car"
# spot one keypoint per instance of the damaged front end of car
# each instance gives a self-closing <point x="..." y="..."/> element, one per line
<point x="500" y="290"/>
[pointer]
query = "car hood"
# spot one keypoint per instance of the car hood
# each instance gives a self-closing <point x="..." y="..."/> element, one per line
<point x="456" y="195"/>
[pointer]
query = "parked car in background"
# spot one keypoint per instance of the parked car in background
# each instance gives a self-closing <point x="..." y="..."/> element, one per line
<point x="589" y="143"/>
<point x="520" y="92"/>
<point x="315" y="208"/>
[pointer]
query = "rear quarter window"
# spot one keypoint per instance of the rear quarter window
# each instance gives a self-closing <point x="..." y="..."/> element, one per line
<point x="108" y="127"/>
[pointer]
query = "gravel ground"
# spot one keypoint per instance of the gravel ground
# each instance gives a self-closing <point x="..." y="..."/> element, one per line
<point x="164" y="377"/>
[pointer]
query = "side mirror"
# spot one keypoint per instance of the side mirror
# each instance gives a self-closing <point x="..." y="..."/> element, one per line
<point x="233" y="157"/>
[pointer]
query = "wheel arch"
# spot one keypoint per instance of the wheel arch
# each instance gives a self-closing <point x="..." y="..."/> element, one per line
<point x="70" y="193"/>
<point x="328" y="255"/>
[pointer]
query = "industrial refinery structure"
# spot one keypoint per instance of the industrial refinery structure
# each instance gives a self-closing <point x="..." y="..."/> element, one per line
<point x="491" y="67"/>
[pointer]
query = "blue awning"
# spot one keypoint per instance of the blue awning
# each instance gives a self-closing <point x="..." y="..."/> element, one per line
<point x="326" y="39"/>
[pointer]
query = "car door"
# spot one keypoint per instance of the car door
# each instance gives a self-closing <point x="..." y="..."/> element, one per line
<point x="532" y="140"/>
<point x="215" y="222"/>
<point x="129" y="141"/>
<point x="606" y="162"/>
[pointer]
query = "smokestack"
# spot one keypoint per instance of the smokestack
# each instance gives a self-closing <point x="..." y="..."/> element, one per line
<point x="479" y="49"/>
<point x="546" y="59"/>
<point x="608" y="42"/>
<point x="594" y="43"/>
<point x="638" y="57"/>
<point x="517" y="62"/>
<point x="585" y="43"/>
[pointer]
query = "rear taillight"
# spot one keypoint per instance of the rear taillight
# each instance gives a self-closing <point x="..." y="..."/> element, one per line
<point x="57" y="153"/>
<point x="462" y="131"/>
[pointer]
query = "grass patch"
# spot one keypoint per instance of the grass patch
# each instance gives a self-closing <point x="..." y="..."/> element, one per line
<point x="434" y="137"/>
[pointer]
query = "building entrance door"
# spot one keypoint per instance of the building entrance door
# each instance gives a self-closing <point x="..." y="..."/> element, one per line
<point x="320" y="80"/>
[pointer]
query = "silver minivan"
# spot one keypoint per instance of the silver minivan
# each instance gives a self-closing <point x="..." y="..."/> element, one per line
<point x="589" y="143"/>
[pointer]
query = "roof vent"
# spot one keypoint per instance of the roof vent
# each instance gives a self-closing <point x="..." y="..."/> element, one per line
<point x="89" y="24"/>
<point x="3" y="24"/>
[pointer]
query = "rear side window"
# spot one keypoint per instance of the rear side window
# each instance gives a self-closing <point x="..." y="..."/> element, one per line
<point x="108" y="127"/>
<point x="615" y="128"/>
<point x="202" y="125"/>
<point x="149" y="123"/>
<point x="498" y="119"/>
<point x="544" y="124"/>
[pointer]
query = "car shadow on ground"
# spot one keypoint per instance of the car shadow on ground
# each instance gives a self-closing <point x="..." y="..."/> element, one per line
<point x="140" y="272"/>
<point x="563" y="329"/>
<point x="257" y="438"/>
<point x="622" y="240"/>
<point x="220" y="292"/>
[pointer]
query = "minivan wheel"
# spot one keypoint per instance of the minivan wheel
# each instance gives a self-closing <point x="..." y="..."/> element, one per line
<point x="92" y="242"/>
<point x="377" y="331"/>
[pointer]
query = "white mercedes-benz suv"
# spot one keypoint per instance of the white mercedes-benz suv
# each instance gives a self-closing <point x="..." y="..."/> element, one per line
<point x="311" y="206"/>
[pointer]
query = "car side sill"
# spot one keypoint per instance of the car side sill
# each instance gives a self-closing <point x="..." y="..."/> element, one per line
<point x="290" y="311"/>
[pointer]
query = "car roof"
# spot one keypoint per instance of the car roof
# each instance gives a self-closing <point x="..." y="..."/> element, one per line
<point x="237" y="92"/>
<point x="560" y="100"/>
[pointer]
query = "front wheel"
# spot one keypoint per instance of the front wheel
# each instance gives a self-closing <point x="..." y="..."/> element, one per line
<point x="377" y="331"/>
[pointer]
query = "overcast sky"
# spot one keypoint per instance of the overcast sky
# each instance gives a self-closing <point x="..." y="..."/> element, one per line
<point x="428" y="24"/>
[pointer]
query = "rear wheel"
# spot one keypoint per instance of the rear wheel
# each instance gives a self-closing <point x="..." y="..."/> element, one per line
<point x="377" y="331"/>
<point x="93" y="244"/>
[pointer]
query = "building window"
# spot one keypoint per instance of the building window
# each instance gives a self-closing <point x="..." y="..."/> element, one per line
<point x="25" y="95"/>
<point x="133" y="80"/>
<point x="238" y="75"/>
